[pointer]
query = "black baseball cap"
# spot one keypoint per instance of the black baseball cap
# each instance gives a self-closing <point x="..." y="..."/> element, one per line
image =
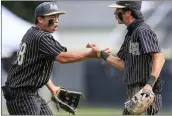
<point x="47" y="9"/>
<point x="127" y="4"/>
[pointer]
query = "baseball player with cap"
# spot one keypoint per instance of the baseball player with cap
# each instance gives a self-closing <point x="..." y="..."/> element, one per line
<point x="34" y="61"/>
<point x="140" y="56"/>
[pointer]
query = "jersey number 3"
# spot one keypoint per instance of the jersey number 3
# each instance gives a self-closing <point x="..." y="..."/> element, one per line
<point x="21" y="53"/>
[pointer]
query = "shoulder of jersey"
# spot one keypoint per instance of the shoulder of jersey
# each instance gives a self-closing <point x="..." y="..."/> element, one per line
<point x="42" y="33"/>
<point x="143" y="27"/>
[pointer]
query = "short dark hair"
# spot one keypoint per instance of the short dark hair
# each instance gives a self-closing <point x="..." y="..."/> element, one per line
<point x="36" y="20"/>
<point x="137" y="14"/>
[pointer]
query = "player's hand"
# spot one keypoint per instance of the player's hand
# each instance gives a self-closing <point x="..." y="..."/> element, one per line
<point x="107" y="50"/>
<point x="94" y="47"/>
<point x="54" y="90"/>
<point x="147" y="86"/>
<point x="93" y="52"/>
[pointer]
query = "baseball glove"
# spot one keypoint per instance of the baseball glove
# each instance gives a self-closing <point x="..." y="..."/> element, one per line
<point x="139" y="104"/>
<point x="67" y="100"/>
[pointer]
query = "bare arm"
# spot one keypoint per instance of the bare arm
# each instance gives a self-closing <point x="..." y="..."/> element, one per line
<point x="69" y="57"/>
<point x="158" y="62"/>
<point x="116" y="62"/>
<point x="52" y="87"/>
<point x="113" y="60"/>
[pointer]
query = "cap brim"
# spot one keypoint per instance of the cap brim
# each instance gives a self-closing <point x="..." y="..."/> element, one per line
<point x="116" y="6"/>
<point x="52" y="13"/>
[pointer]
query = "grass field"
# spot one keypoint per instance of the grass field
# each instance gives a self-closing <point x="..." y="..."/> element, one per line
<point x="83" y="110"/>
<point x="104" y="111"/>
<point x="97" y="111"/>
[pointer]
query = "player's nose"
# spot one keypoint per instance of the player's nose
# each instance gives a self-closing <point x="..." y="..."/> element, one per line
<point x="57" y="20"/>
<point x="116" y="12"/>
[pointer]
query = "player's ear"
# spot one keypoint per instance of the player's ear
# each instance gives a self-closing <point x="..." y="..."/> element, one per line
<point x="128" y="13"/>
<point x="40" y="19"/>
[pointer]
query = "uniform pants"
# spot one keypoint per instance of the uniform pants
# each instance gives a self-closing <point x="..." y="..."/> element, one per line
<point x="153" y="109"/>
<point x="27" y="103"/>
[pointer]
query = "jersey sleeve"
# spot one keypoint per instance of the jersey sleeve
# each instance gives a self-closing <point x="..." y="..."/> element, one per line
<point x="50" y="48"/>
<point x="149" y="42"/>
<point x="121" y="52"/>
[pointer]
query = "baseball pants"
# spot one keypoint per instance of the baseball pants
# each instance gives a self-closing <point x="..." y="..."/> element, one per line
<point x="27" y="103"/>
<point x="153" y="109"/>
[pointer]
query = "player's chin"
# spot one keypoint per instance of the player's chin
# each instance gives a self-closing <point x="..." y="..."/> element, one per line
<point x="120" y="22"/>
<point x="55" y="28"/>
<point x="52" y="30"/>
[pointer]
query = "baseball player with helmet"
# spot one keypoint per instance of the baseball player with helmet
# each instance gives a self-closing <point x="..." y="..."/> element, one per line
<point x="140" y="58"/>
<point x="33" y="65"/>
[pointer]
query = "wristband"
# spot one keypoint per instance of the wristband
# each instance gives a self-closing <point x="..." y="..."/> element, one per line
<point x="151" y="80"/>
<point x="104" y="55"/>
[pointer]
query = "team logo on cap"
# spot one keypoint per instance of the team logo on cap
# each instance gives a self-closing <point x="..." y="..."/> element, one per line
<point x="53" y="7"/>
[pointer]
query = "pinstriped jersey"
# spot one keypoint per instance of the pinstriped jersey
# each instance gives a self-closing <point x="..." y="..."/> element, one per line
<point x="139" y="43"/>
<point x="34" y="60"/>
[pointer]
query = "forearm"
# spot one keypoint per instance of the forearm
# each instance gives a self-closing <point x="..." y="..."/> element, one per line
<point x="158" y="62"/>
<point x="116" y="62"/>
<point x="69" y="57"/>
<point x="50" y="85"/>
<point x="113" y="60"/>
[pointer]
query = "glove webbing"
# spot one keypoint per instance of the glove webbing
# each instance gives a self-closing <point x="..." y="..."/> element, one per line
<point x="74" y="101"/>
<point x="60" y="103"/>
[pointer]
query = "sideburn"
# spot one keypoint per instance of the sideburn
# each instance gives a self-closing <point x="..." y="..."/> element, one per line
<point x="120" y="16"/>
